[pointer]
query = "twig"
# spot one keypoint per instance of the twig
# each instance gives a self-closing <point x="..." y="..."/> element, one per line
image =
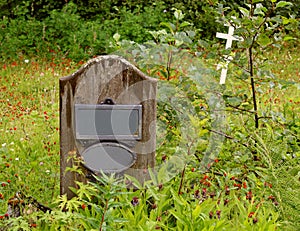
<point x="181" y="181"/>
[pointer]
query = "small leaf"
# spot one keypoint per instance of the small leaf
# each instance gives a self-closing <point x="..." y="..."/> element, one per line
<point x="196" y="211"/>
<point x="116" y="37"/>
<point x="184" y="24"/>
<point x="263" y="40"/>
<point x="283" y="4"/>
<point x="178" y="14"/>
<point x="169" y="25"/>
<point x="244" y="11"/>
<point x="260" y="9"/>
<point x="287" y="38"/>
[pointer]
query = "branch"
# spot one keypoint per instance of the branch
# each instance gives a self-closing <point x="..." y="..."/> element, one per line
<point x="241" y="109"/>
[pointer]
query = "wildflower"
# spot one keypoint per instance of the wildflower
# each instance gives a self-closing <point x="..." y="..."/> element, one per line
<point x="226" y="201"/>
<point x="244" y="184"/>
<point x="211" y="214"/>
<point x="205" y="177"/>
<point x="33" y="225"/>
<point x="239" y="186"/>
<point x="255" y="220"/>
<point x="250" y="214"/>
<point x="160" y="186"/>
<point x="272" y="198"/>
<point x="83" y="206"/>
<point x="212" y="194"/>
<point x="218" y="212"/>
<point x="227" y="190"/>
<point x="135" y="201"/>
<point x="204" y="190"/>
<point x="26" y="60"/>
<point x="266" y="184"/>
<point x="197" y="194"/>
<point x="249" y="196"/>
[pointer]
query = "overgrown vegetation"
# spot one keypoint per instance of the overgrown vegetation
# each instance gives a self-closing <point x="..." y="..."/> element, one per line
<point x="81" y="30"/>
<point x="232" y="172"/>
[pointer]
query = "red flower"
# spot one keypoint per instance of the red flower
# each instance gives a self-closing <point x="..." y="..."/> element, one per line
<point x="83" y="206"/>
<point x="249" y="196"/>
<point x="204" y="190"/>
<point x="226" y="201"/>
<point x="135" y="201"/>
<point x="250" y="214"/>
<point x="33" y="225"/>
<point x="271" y="197"/>
<point x="227" y="190"/>
<point x="237" y="185"/>
<point x="266" y="184"/>
<point x="197" y="194"/>
<point x="218" y="212"/>
<point x="244" y="184"/>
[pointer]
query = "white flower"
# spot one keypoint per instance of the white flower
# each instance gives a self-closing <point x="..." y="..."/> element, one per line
<point x="26" y="60"/>
<point x="47" y="171"/>
<point x="4" y="144"/>
<point x="17" y="158"/>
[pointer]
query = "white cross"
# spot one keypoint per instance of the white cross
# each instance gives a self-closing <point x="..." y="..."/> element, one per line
<point x="229" y="37"/>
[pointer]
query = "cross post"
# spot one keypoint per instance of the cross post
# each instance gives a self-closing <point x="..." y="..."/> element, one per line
<point x="229" y="37"/>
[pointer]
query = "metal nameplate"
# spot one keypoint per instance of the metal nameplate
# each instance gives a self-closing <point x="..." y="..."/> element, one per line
<point x="108" y="122"/>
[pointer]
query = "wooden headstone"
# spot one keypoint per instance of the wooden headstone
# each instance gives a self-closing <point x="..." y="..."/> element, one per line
<point x="106" y="78"/>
